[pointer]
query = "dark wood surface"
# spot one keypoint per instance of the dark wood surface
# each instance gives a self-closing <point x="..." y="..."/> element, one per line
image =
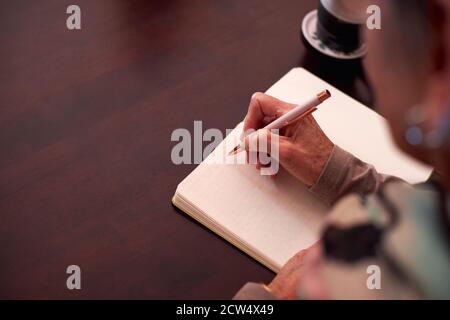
<point x="85" y="124"/>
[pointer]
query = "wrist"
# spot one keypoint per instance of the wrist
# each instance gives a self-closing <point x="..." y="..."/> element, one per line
<point x="320" y="160"/>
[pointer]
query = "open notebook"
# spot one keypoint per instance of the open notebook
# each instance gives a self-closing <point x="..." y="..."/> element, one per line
<point x="272" y="219"/>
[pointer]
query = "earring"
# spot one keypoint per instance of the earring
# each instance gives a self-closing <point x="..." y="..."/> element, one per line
<point x="433" y="139"/>
<point x="437" y="137"/>
<point x="414" y="117"/>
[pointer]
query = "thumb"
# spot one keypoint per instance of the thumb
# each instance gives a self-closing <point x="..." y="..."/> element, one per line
<point x="262" y="110"/>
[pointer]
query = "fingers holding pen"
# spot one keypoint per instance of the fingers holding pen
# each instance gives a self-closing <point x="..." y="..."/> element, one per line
<point x="300" y="146"/>
<point x="263" y="109"/>
<point x="264" y="146"/>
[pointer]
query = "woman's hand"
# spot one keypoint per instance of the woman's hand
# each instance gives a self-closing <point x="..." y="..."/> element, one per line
<point x="304" y="149"/>
<point x="302" y="271"/>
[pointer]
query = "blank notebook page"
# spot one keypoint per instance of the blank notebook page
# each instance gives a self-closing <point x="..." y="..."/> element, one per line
<point x="272" y="219"/>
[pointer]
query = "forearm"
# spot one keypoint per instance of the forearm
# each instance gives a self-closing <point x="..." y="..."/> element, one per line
<point x="345" y="174"/>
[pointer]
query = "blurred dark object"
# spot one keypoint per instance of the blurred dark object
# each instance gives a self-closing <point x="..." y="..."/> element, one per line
<point x="334" y="51"/>
<point x="333" y="29"/>
<point x="346" y="75"/>
<point x="335" y="33"/>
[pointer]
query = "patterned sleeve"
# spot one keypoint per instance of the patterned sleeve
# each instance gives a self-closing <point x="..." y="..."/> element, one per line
<point x="344" y="174"/>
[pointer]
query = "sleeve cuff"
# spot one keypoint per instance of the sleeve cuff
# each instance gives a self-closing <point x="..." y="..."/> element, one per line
<point x="329" y="184"/>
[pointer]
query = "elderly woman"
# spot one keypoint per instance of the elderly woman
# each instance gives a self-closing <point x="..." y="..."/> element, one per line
<point x="384" y="238"/>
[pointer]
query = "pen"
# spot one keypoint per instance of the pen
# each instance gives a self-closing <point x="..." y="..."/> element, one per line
<point x="297" y="113"/>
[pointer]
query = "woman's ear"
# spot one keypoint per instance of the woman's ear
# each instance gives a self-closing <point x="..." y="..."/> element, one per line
<point x="438" y="93"/>
<point x="437" y="97"/>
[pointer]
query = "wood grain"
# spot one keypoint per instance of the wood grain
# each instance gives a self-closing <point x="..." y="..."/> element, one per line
<point x="85" y="124"/>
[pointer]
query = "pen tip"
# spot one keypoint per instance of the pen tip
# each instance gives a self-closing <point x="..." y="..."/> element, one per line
<point x="234" y="151"/>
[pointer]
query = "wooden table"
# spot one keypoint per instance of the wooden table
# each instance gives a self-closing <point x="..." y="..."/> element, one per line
<point x="85" y="124"/>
